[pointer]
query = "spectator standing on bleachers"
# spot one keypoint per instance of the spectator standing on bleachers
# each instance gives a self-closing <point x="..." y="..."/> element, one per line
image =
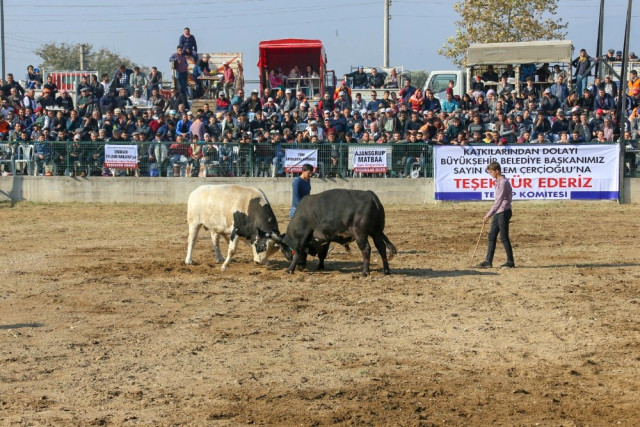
<point x="543" y="72"/>
<point x="180" y="67"/>
<point x="228" y="80"/>
<point x="188" y="42"/>
<point x="582" y="65"/>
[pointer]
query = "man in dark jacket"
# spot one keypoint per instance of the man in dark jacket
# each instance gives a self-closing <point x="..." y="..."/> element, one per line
<point x="582" y="65"/>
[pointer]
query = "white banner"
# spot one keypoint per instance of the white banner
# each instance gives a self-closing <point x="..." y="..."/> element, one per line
<point x="295" y="158"/>
<point x="121" y="156"/>
<point x="579" y="172"/>
<point x="369" y="159"/>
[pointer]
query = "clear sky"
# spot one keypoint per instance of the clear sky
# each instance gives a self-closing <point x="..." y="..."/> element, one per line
<point x="147" y="31"/>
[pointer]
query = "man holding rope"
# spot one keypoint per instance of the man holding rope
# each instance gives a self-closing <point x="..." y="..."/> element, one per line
<point x="501" y="212"/>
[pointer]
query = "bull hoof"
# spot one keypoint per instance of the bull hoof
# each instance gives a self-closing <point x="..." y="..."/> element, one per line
<point x="365" y="274"/>
<point x="223" y="268"/>
<point x="387" y="272"/>
<point x="188" y="261"/>
<point x="290" y="271"/>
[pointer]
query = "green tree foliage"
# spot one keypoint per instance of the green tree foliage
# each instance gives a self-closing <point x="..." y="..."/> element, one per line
<point x="496" y="21"/>
<point x="67" y="57"/>
<point x="418" y="78"/>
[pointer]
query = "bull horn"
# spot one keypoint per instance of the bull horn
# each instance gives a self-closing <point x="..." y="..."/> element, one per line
<point x="274" y="236"/>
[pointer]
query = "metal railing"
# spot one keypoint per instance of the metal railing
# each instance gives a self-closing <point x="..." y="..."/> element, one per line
<point x="86" y="158"/>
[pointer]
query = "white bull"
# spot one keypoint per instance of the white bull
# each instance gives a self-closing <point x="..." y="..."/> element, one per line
<point x="236" y="213"/>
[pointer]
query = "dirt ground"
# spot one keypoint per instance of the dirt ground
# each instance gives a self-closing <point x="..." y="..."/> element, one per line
<point x="102" y="323"/>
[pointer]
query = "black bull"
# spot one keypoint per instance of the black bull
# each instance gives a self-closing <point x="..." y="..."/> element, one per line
<point x="340" y="216"/>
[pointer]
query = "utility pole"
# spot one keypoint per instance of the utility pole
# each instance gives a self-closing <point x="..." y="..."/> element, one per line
<point x="82" y="53"/>
<point x="387" y="18"/>
<point x="2" y="35"/>
<point x="599" y="68"/>
<point x="622" y="98"/>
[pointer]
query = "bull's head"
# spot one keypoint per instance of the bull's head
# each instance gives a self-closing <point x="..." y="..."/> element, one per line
<point x="264" y="245"/>
<point x="280" y="240"/>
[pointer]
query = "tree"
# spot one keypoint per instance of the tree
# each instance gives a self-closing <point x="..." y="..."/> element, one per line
<point x="67" y="57"/>
<point x="418" y="78"/>
<point x="495" y="21"/>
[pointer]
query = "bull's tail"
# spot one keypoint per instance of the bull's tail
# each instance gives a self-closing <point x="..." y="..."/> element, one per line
<point x="390" y="246"/>
<point x="380" y="208"/>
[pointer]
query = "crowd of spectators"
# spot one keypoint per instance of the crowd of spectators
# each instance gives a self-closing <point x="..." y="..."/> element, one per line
<point x="128" y="106"/>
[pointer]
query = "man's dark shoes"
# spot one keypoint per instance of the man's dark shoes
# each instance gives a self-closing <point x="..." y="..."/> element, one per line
<point x="485" y="264"/>
<point x="508" y="264"/>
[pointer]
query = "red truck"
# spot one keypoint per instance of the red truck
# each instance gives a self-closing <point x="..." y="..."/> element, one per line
<point x="284" y="54"/>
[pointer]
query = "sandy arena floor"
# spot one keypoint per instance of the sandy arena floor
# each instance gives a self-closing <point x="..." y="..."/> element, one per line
<point x="102" y="323"/>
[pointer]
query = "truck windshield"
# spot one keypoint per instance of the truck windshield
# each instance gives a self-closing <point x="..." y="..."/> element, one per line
<point x="441" y="81"/>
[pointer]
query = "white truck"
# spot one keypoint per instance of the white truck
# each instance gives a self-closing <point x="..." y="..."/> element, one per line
<point x="481" y="55"/>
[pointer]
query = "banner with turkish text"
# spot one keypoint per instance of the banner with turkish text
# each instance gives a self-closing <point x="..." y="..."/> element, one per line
<point x="365" y="159"/>
<point x="121" y="156"/>
<point x="295" y="158"/>
<point x="578" y="172"/>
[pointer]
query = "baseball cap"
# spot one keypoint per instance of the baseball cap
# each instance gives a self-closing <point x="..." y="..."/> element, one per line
<point x="341" y="93"/>
<point x="599" y="111"/>
<point x="547" y="90"/>
<point x="287" y="90"/>
<point x="117" y="111"/>
<point x="270" y="99"/>
<point x="327" y="112"/>
<point x="611" y="51"/>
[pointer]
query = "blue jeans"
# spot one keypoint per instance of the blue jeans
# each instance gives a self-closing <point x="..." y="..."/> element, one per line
<point x="278" y="165"/>
<point x="182" y="82"/>
<point x="581" y="85"/>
